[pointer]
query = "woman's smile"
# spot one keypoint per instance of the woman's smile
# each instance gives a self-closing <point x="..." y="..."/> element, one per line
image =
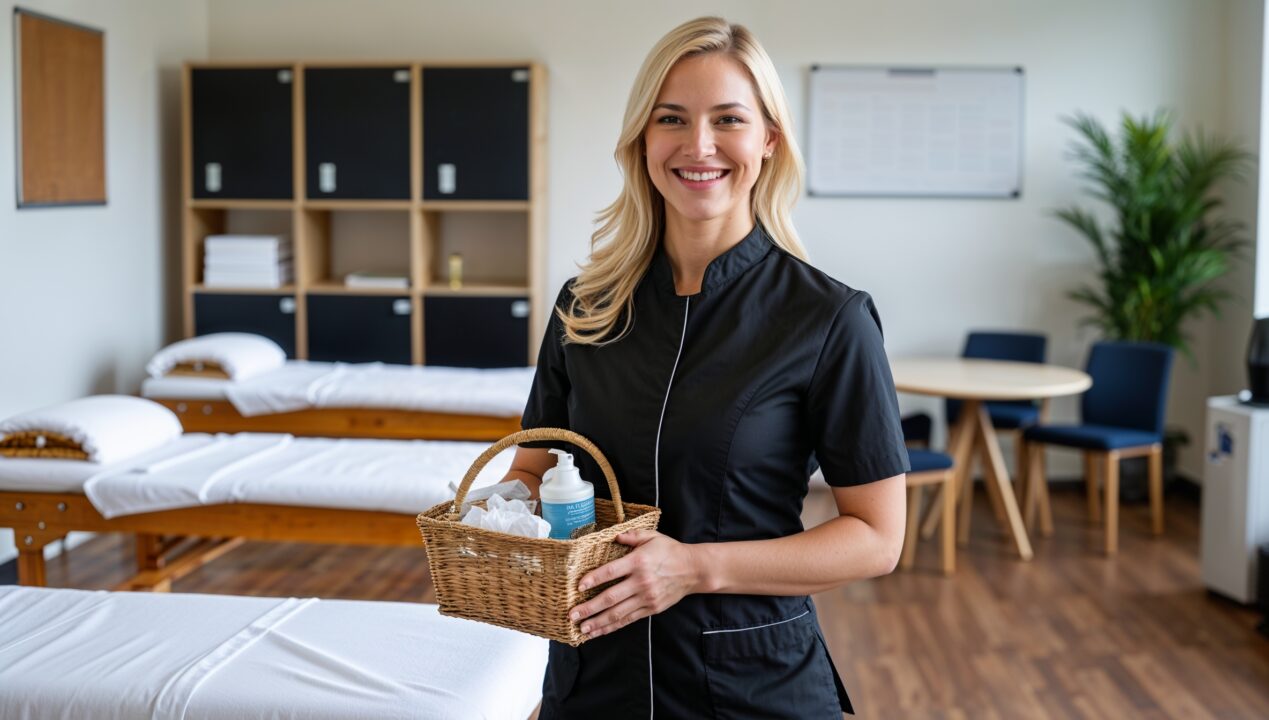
<point x="700" y="178"/>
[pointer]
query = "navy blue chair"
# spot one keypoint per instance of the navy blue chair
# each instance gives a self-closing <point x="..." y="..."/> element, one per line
<point x="1122" y="417"/>
<point x="929" y="468"/>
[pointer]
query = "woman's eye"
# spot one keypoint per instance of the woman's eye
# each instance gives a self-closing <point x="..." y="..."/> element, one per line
<point x="730" y="120"/>
<point x="667" y="120"/>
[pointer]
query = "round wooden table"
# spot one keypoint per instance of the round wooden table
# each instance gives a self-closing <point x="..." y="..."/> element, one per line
<point x="975" y="382"/>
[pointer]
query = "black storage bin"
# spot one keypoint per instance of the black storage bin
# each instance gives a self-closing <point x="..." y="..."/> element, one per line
<point x="241" y="133"/>
<point x="483" y="332"/>
<point x="359" y="328"/>
<point x="357" y="133"/>
<point x="476" y="133"/>
<point x="272" y="316"/>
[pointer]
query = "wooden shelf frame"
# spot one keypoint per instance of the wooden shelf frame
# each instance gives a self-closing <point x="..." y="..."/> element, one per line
<point x="310" y="218"/>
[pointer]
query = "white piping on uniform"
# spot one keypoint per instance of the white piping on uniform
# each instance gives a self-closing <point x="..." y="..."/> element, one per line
<point x="656" y="475"/>
<point x="758" y="627"/>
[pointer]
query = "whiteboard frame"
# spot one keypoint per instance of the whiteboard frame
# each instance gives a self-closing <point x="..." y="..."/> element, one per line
<point x="810" y="153"/>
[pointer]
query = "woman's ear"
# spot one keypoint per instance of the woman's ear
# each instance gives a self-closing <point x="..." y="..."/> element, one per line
<point x="773" y="140"/>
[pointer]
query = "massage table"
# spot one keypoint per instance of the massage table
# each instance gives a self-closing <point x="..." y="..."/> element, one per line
<point x="225" y="489"/>
<point x="119" y="656"/>
<point x="351" y="400"/>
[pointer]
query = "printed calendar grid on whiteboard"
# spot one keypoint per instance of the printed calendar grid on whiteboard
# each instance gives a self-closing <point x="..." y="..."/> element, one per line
<point x="915" y="132"/>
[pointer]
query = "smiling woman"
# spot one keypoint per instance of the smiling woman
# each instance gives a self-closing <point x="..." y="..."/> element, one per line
<point x="711" y="363"/>
<point x="705" y="146"/>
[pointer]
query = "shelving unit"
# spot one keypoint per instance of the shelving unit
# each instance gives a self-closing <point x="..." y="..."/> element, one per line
<point x="349" y="188"/>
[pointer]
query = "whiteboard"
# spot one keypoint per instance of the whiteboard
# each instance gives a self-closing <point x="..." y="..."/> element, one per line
<point x="878" y="131"/>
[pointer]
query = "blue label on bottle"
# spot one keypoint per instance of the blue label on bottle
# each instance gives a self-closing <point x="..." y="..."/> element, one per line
<point x="567" y="518"/>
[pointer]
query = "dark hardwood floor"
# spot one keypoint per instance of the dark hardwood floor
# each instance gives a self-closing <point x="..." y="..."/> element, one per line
<point x="1071" y="634"/>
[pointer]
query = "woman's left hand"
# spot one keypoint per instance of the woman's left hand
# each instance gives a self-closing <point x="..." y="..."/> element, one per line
<point x="658" y="573"/>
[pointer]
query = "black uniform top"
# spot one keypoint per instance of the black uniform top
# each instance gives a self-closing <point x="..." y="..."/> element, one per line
<point x="711" y="408"/>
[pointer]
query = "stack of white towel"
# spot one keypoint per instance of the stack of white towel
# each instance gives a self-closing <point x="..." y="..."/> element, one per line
<point x="262" y="261"/>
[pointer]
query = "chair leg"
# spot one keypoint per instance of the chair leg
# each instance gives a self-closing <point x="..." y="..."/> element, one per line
<point x="1156" y="489"/>
<point x="1090" y="487"/>
<point x="1110" y="470"/>
<point x="932" y="511"/>
<point x="1040" y="486"/>
<point x="1038" y="493"/>
<point x="966" y="489"/>
<point x="912" y="529"/>
<point x="949" y="526"/>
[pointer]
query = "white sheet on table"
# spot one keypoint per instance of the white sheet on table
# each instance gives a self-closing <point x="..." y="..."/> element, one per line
<point x="72" y="653"/>
<point x="301" y="385"/>
<point x="407" y="476"/>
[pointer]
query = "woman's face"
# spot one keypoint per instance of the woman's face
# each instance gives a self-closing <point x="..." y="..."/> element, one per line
<point x="706" y="139"/>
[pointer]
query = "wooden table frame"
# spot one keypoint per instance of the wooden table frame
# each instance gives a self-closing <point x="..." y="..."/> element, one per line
<point x="975" y="382"/>
<point x="40" y="518"/>
<point x="972" y="433"/>
<point x="212" y="416"/>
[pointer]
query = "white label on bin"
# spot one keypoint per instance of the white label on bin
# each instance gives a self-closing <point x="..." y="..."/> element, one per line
<point x="446" y="178"/>
<point x="519" y="76"/>
<point x="401" y="306"/>
<point x="287" y="306"/>
<point x="326" y="177"/>
<point x="211" y="174"/>
<point x="284" y="77"/>
<point x="520" y="309"/>
<point x="401" y="76"/>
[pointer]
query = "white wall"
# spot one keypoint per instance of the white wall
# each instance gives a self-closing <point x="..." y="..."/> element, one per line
<point x="86" y="292"/>
<point x="936" y="267"/>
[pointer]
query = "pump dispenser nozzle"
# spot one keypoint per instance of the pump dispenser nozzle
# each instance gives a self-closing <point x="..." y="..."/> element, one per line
<point x="564" y="460"/>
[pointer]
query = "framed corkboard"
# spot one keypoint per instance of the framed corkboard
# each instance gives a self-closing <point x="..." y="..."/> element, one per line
<point x="60" y="88"/>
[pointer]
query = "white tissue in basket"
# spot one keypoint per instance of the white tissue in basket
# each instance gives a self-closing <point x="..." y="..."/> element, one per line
<point x="512" y="517"/>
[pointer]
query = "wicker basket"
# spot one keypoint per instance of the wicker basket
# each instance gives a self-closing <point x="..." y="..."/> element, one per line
<point x="526" y="584"/>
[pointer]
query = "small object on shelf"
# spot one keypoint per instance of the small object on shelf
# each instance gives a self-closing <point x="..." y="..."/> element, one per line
<point x="376" y="280"/>
<point x="456" y="271"/>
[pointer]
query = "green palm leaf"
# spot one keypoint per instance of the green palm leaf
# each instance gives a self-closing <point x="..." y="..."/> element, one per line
<point x="1157" y="263"/>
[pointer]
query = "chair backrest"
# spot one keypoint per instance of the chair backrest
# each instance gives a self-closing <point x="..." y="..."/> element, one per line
<point x="1020" y="347"/>
<point x="1130" y="385"/>
<point x="1016" y="346"/>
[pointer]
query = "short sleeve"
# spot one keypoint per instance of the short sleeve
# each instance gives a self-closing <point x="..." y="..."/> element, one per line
<point x="548" y="398"/>
<point x="853" y="409"/>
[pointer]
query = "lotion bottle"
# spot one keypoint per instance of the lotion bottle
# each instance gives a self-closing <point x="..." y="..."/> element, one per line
<point x="568" y="501"/>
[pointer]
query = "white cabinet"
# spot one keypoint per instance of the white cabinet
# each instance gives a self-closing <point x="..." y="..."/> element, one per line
<point x="1235" y="496"/>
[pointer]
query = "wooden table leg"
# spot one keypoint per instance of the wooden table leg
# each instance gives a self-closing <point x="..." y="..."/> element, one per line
<point x="997" y="505"/>
<point x="998" y="474"/>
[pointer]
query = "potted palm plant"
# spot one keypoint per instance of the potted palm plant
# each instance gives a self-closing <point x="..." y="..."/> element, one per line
<point x="1158" y="258"/>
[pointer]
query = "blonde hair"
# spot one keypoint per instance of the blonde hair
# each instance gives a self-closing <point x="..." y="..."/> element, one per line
<point x="629" y="229"/>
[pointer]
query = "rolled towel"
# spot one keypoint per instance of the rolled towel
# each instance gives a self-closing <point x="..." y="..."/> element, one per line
<point x="236" y="356"/>
<point x="102" y="428"/>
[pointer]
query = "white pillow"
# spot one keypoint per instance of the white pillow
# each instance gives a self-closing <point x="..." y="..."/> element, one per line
<point x="240" y="355"/>
<point x="107" y="427"/>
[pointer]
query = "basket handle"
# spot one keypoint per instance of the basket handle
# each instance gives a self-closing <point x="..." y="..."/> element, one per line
<point x="542" y="434"/>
